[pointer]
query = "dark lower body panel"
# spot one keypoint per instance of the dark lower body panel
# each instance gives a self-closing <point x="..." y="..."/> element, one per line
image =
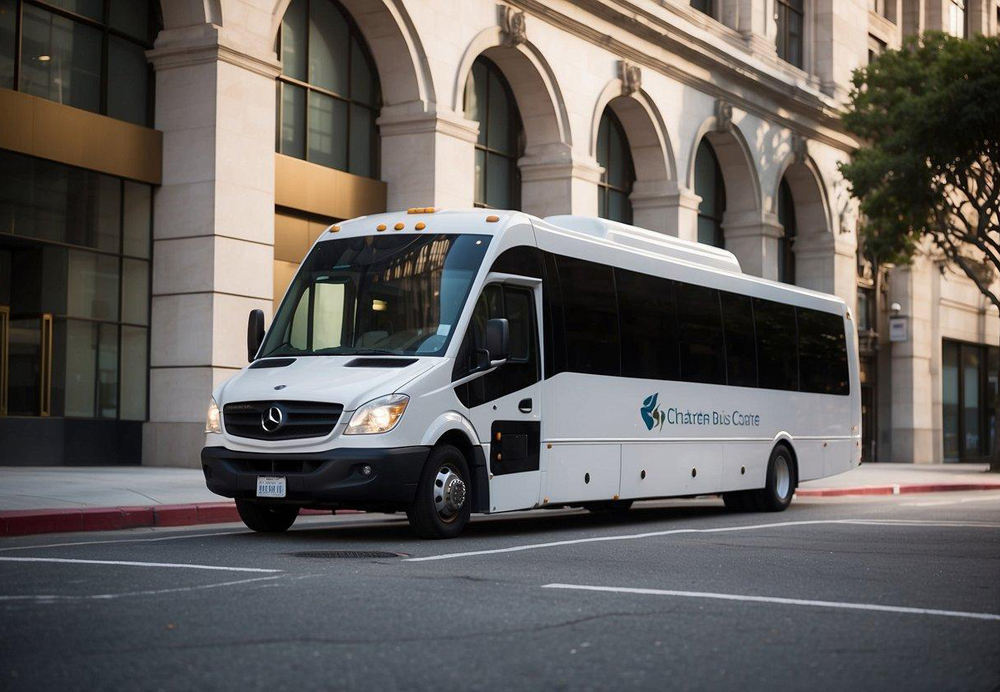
<point x="330" y="479"/>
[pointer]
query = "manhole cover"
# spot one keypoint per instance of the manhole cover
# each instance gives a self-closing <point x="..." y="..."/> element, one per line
<point x="347" y="554"/>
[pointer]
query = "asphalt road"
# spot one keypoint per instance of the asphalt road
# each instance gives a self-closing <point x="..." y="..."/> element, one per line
<point x="841" y="593"/>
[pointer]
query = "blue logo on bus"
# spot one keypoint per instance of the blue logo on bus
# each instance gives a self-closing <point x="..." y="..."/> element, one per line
<point x="651" y="414"/>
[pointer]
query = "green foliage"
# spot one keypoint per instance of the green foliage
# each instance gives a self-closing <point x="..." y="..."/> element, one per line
<point x="929" y="117"/>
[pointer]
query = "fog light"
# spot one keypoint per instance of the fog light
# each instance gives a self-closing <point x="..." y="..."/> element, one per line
<point x="366" y="470"/>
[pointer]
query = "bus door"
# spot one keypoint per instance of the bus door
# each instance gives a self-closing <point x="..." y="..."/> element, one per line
<point x="505" y="404"/>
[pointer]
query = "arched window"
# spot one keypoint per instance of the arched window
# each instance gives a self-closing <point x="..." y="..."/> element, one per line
<point x="786" y="245"/>
<point x="709" y="185"/>
<point x="328" y="90"/>
<point x="614" y="155"/>
<point x="490" y="102"/>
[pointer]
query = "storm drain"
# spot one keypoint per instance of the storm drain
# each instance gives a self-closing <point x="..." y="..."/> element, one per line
<point x="347" y="554"/>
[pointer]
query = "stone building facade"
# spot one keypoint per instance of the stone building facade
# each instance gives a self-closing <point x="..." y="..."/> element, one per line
<point x="261" y="121"/>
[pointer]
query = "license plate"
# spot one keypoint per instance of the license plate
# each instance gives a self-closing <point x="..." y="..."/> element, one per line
<point x="270" y="486"/>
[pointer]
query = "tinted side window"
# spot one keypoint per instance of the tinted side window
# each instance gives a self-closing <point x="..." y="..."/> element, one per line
<point x="523" y="260"/>
<point x="777" y="345"/>
<point x="741" y="343"/>
<point x="822" y="353"/>
<point x="590" y="316"/>
<point x="552" y="318"/>
<point x="699" y="329"/>
<point x="648" y="326"/>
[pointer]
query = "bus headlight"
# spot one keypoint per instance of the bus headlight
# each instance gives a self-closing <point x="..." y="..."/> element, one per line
<point x="378" y="416"/>
<point x="213" y="422"/>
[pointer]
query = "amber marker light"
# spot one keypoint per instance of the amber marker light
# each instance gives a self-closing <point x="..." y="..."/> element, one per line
<point x="334" y="229"/>
<point x="398" y="226"/>
<point x="420" y="226"/>
<point x="380" y="227"/>
<point x="492" y="218"/>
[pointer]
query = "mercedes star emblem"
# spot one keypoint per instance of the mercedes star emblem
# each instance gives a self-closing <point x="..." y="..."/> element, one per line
<point x="272" y="419"/>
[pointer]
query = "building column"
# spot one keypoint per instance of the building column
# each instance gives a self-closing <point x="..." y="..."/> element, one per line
<point x="828" y="264"/>
<point x="754" y="241"/>
<point x="556" y="180"/>
<point x="666" y="207"/>
<point x="912" y="371"/>
<point x="213" y="221"/>
<point x="428" y="158"/>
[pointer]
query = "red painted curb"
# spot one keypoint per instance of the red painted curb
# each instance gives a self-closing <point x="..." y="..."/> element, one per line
<point x="898" y="489"/>
<point x="32" y="521"/>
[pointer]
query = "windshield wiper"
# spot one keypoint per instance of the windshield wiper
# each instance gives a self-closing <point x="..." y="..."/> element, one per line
<point x="373" y="352"/>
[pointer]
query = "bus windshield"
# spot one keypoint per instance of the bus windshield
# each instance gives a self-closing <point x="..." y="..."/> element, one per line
<point x="377" y="295"/>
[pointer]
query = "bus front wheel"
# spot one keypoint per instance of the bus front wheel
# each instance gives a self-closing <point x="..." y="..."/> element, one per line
<point x="442" y="504"/>
<point x="776" y="495"/>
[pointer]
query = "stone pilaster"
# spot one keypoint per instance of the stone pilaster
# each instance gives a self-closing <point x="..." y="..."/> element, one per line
<point x="213" y="220"/>
<point x="428" y="158"/>
<point x="666" y="207"/>
<point x="555" y="180"/>
<point x="753" y="238"/>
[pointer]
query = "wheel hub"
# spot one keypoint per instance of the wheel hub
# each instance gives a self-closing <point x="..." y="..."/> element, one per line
<point x="449" y="492"/>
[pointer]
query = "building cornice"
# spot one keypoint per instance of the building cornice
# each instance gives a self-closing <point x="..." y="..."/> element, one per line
<point x="203" y="44"/>
<point x="792" y="98"/>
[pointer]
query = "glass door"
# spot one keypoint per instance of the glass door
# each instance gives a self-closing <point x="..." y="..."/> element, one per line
<point x="27" y="352"/>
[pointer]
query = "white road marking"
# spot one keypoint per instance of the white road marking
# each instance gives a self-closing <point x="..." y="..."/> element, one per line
<point x="782" y="601"/>
<point x="126" y="563"/>
<point x="724" y="529"/>
<point x="124" y="540"/>
<point x="960" y="501"/>
<point x="45" y="598"/>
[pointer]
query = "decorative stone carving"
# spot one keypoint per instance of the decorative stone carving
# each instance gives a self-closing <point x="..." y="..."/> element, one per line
<point x="800" y="148"/>
<point x="631" y="76"/>
<point x="723" y="116"/>
<point x="512" y="26"/>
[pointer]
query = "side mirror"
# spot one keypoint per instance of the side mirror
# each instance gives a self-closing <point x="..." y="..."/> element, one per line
<point x="255" y="333"/>
<point x="498" y="340"/>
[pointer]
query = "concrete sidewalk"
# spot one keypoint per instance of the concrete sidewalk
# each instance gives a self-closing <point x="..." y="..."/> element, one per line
<point x="46" y="499"/>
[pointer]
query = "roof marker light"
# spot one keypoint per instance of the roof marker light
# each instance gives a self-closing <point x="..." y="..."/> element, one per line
<point x="420" y="226"/>
<point x="398" y="226"/>
<point x="380" y="227"/>
<point x="334" y="229"/>
<point x="492" y="218"/>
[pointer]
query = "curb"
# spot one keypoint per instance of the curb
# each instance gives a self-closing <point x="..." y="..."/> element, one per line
<point x="32" y="521"/>
<point x="895" y="489"/>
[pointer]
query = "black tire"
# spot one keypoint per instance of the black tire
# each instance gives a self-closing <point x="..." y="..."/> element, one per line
<point x="424" y="515"/>
<point x="777" y="494"/>
<point x="611" y="506"/>
<point x="265" y="518"/>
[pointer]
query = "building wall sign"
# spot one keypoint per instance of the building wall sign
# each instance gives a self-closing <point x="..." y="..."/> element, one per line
<point x="898" y="330"/>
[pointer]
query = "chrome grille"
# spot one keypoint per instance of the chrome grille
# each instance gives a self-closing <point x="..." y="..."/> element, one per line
<point x="299" y="419"/>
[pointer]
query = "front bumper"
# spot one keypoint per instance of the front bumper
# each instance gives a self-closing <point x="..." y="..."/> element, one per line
<point x="324" y="479"/>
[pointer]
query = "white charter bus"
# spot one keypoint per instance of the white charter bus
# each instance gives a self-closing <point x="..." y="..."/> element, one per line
<point x="450" y="362"/>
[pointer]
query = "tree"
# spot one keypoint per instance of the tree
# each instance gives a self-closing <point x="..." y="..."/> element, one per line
<point x="926" y="174"/>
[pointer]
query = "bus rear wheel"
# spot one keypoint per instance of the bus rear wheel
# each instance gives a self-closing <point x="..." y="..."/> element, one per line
<point x="266" y="518"/>
<point x="442" y="504"/>
<point x="776" y="495"/>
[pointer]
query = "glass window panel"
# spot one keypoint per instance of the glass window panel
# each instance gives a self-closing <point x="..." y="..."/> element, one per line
<point x="705" y="177"/>
<point x="327" y="131"/>
<point x="94" y="9"/>
<point x="60" y="59"/>
<point x="138" y="218"/>
<point x="92" y="286"/>
<point x="822" y="352"/>
<point x="992" y="393"/>
<point x="362" y="83"/>
<point x="777" y="345"/>
<point x="131" y="17"/>
<point x="480" y="177"/>
<point x="362" y="127"/>
<point x="498" y="118"/>
<point x="293" y="121"/>
<point x="135" y="291"/>
<point x="648" y="326"/>
<point x="971" y="363"/>
<point x="8" y="42"/>
<point x="134" y="374"/>
<point x="700" y="334"/>
<point x="741" y="346"/>
<point x="602" y="146"/>
<point x="293" y="40"/>
<point x="24" y="360"/>
<point x="329" y="43"/>
<point x="602" y="202"/>
<point x="707" y="230"/>
<point x="617" y="161"/>
<point x="618" y="207"/>
<point x="949" y="400"/>
<point x="475" y="97"/>
<point x="498" y="181"/>
<point x="590" y="317"/>
<point x="91" y="370"/>
<point x="128" y="77"/>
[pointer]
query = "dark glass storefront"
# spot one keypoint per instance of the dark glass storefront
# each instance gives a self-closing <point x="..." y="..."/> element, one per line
<point x="968" y="400"/>
<point x="74" y="313"/>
